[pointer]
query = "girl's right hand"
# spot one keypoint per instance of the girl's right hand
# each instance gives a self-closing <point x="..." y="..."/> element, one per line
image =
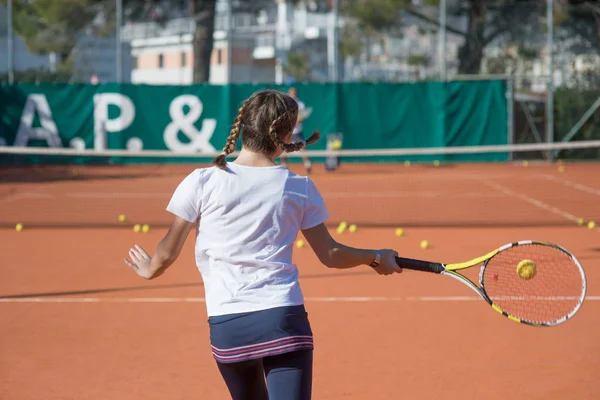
<point x="388" y="264"/>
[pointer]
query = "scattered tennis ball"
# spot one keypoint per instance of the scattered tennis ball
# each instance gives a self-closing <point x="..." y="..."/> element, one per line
<point x="407" y="163"/>
<point x="122" y="218"/>
<point x="137" y="228"/>
<point x="436" y="163"/>
<point x="19" y="227"/>
<point x="399" y="232"/>
<point x="300" y="244"/>
<point x="424" y="244"/>
<point x="591" y="224"/>
<point x="526" y="269"/>
<point x="145" y="228"/>
<point x="580" y="221"/>
<point x="340" y="230"/>
<point x="336" y="144"/>
<point x="343" y="224"/>
<point x="561" y="168"/>
<point x="352" y="228"/>
<point x="525" y="163"/>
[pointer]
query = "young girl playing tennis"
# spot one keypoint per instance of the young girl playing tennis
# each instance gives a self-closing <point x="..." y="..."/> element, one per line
<point x="248" y="214"/>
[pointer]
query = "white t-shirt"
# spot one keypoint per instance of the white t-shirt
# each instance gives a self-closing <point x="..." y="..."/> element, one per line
<point x="249" y="221"/>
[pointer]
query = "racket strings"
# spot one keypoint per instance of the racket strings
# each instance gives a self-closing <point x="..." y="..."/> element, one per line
<point x="551" y="293"/>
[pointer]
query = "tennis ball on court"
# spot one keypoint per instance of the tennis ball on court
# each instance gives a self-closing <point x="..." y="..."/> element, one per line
<point x="399" y="232"/>
<point x="424" y="244"/>
<point x="145" y="228"/>
<point x="343" y="224"/>
<point x="340" y="230"/>
<point x="525" y="163"/>
<point x="407" y="163"/>
<point x="300" y="244"/>
<point x="122" y="218"/>
<point x="526" y="269"/>
<point x="352" y="228"/>
<point x="137" y="228"/>
<point x="591" y="224"/>
<point x="561" y="168"/>
<point x="436" y="163"/>
<point x="19" y="227"/>
<point x="580" y="221"/>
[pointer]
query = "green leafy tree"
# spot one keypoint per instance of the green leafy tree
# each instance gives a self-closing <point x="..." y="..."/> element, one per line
<point x="519" y="21"/>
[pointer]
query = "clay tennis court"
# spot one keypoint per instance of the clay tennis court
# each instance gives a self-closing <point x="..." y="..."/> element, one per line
<point x="77" y="323"/>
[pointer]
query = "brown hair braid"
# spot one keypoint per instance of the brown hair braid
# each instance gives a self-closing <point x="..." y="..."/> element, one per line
<point x="266" y="117"/>
<point x="229" y="148"/>
<point x="289" y="147"/>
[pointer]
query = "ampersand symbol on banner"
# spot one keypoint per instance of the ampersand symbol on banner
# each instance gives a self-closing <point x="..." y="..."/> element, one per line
<point x="184" y="123"/>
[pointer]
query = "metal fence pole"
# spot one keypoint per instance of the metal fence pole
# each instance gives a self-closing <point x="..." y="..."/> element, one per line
<point x="229" y="40"/>
<point x="332" y="43"/>
<point x="550" y="88"/>
<point x="510" y="96"/>
<point x="119" y="53"/>
<point x="11" y="49"/>
<point x="443" y="64"/>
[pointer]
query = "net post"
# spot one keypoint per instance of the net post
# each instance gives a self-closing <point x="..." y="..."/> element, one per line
<point x="510" y="125"/>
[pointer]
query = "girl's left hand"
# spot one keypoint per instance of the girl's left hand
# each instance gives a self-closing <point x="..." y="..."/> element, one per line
<point x="140" y="262"/>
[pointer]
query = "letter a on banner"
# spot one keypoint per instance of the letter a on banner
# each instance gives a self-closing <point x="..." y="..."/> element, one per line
<point x="37" y="103"/>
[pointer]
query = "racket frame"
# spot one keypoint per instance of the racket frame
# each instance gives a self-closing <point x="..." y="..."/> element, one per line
<point x="451" y="271"/>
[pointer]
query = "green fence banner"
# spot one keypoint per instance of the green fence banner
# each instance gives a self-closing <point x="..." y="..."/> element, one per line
<point x="198" y="118"/>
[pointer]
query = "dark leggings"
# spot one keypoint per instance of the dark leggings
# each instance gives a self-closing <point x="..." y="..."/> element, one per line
<point x="288" y="377"/>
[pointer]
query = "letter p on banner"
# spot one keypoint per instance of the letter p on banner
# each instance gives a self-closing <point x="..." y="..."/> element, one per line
<point x="102" y="124"/>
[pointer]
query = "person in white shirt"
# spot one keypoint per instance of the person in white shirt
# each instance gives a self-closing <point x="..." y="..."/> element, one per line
<point x="248" y="214"/>
<point x="297" y="133"/>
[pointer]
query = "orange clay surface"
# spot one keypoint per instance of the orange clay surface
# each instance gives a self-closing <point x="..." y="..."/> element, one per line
<point x="77" y="323"/>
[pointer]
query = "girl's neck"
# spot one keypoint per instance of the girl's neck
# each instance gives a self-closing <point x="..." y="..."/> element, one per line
<point x="251" y="159"/>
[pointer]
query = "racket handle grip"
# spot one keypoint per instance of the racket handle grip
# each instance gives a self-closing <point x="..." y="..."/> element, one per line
<point x="419" y="265"/>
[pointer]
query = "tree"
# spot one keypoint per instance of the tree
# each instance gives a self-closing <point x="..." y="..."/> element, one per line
<point x="486" y="21"/>
<point x="52" y="26"/>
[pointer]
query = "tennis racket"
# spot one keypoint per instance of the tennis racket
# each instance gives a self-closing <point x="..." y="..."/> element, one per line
<point x="529" y="282"/>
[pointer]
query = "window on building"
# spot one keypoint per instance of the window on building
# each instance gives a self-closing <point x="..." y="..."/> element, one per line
<point x="161" y="61"/>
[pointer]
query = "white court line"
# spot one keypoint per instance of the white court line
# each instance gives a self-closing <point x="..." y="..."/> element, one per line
<point x="307" y="299"/>
<point x="532" y="201"/>
<point x="572" y="184"/>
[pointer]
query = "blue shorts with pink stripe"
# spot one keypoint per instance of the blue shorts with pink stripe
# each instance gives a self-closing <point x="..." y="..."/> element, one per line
<point x="252" y="335"/>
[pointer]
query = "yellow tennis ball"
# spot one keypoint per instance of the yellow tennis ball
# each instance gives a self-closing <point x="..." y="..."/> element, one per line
<point x="300" y="244"/>
<point x="19" y="227"/>
<point x="399" y="232"/>
<point x="591" y="224"/>
<point x="424" y="244"/>
<point x="343" y="224"/>
<point x="436" y="163"/>
<point x="137" y="228"/>
<point x="336" y="144"/>
<point x="525" y="163"/>
<point x="580" y="221"/>
<point x="407" y="163"/>
<point x="145" y="228"/>
<point x="122" y="218"/>
<point x="352" y="228"/>
<point x="340" y="230"/>
<point x="526" y="269"/>
<point x="561" y="168"/>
